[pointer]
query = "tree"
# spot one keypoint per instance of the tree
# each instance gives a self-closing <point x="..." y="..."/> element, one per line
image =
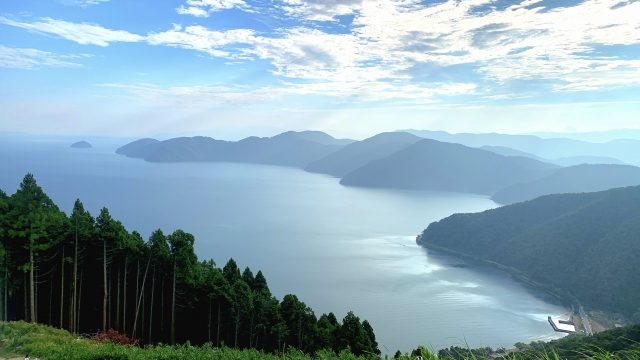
<point x="109" y="232"/>
<point x="36" y="221"/>
<point x="160" y="255"/>
<point x="184" y="268"/>
<point x="83" y="230"/>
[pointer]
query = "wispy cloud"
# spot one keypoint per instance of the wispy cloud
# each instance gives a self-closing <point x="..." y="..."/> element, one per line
<point x="83" y="3"/>
<point x="199" y="38"/>
<point x="26" y="58"/>
<point x="81" y="33"/>
<point x="204" y="8"/>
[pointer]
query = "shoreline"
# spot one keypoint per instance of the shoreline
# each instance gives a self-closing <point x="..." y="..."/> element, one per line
<point x="561" y="296"/>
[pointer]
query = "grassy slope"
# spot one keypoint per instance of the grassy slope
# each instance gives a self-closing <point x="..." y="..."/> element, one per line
<point x="49" y="343"/>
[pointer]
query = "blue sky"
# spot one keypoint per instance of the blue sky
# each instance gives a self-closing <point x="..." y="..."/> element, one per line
<point x="233" y="68"/>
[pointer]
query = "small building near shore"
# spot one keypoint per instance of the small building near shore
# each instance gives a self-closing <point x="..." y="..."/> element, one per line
<point x="562" y="325"/>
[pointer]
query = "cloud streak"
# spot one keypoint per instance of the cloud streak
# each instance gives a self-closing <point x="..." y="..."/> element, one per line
<point x="81" y="33"/>
<point x="27" y="58"/>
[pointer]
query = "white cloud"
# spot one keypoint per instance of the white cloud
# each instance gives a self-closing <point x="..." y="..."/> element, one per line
<point x="26" y="58"/>
<point x="81" y="33"/>
<point x="199" y="38"/>
<point x="321" y="10"/>
<point x="389" y="38"/>
<point x="204" y="8"/>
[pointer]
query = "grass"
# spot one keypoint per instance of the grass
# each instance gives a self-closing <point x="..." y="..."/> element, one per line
<point x="48" y="343"/>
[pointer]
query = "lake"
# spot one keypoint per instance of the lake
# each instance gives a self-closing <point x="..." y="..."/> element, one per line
<point x="338" y="248"/>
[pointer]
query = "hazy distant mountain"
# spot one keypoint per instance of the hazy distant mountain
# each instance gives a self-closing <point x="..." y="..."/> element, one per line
<point x="565" y="161"/>
<point x="574" y="179"/>
<point x="361" y="153"/>
<point x="586" y="159"/>
<point x="507" y="151"/>
<point x="295" y="149"/>
<point x="627" y="151"/>
<point x="594" y="136"/>
<point x="81" y="145"/>
<point x="138" y="149"/>
<point x="585" y="244"/>
<point x="434" y="165"/>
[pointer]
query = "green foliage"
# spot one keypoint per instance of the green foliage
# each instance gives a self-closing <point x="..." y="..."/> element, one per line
<point x="584" y="246"/>
<point x="99" y="276"/>
<point x="54" y="344"/>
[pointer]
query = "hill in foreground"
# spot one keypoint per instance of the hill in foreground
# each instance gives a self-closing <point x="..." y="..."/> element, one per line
<point x="587" y="245"/>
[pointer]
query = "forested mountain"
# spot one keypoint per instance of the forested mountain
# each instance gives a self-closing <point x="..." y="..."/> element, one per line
<point x="361" y="153"/>
<point x="574" y="179"/>
<point x="434" y="165"/>
<point x="296" y="149"/>
<point x="627" y="151"/>
<point x="587" y="244"/>
<point x="88" y="274"/>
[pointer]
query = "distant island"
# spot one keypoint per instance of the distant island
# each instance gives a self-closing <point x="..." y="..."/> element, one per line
<point x="81" y="145"/>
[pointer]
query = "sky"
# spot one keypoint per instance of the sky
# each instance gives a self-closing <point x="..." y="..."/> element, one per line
<point x="234" y="68"/>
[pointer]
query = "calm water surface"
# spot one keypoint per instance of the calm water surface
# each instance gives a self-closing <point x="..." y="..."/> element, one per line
<point x="337" y="248"/>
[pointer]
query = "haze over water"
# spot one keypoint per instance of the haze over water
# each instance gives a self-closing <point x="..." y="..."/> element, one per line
<point x="337" y="248"/>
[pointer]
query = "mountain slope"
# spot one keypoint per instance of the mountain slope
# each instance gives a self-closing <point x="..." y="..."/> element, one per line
<point x="362" y="152"/>
<point x="435" y="165"/>
<point x="137" y="149"/>
<point x="296" y="149"/>
<point x="574" y="179"/>
<point x="624" y="150"/>
<point x="586" y="244"/>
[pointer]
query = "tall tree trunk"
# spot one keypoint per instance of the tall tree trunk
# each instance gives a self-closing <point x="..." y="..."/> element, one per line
<point x="124" y="305"/>
<point x="104" y="289"/>
<point x="218" y="329"/>
<point x="251" y="329"/>
<point x="74" y="301"/>
<point x="135" y="319"/>
<point x="109" y="301"/>
<point x="79" y="312"/>
<point x="50" y="323"/>
<point x="235" y="336"/>
<point x="32" y="289"/>
<point x="35" y="291"/>
<point x="153" y="288"/>
<point x="6" y="289"/>
<point x="209" y="323"/>
<point x="173" y="306"/>
<point x="26" y="295"/>
<point x="61" y="288"/>
<point x="162" y="309"/>
<point x="118" y="302"/>
<point x="137" y="281"/>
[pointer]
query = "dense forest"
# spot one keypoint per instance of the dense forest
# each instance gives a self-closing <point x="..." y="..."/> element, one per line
<point x="87" y="274"/>
<point x="585" y="245"/>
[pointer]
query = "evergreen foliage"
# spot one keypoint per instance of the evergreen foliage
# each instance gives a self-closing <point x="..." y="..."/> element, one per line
<point x="87" y="275"/>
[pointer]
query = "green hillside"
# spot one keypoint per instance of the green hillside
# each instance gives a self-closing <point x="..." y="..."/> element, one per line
<point x="587" y="245"/>
<point x="47" y="343"/>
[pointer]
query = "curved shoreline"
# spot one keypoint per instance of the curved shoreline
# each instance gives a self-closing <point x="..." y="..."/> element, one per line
<point x="562" y="296"/>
